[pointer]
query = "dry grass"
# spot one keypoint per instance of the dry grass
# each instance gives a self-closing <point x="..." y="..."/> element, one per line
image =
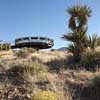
<point x="34" y="75"/>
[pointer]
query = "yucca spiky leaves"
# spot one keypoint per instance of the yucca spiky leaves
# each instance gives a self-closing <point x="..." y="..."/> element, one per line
<point x="94" y="41"/>
<point x="79" y="16"/>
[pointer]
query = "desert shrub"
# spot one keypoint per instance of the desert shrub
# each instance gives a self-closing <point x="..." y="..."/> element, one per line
<point x="57" y="64"/>
<point x="53" y="49"/>
<point x="24" y="52"/>
<point x="95" y="81"/>
<point x="5" y="46"/>
<point x="16" y="68"/>
<point x="92" y="90"/>
<point x="35" y="58"/>
<point x="25" y="72"/>
<point x="45" y="95"/>
<point x="27" y="68"/>
<point x="30" y="50"/>
<point x="35" y="67"/>
<point x="90" y="58"/>
<point x="21" y="53"/>
<point x="2" y="65"/>
<point x="87" y="58"/>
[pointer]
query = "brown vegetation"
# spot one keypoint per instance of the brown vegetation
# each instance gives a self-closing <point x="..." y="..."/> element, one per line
<point x="22" y="78"/>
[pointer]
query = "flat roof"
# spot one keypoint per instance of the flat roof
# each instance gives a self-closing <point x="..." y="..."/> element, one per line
<point x="45" y="38"/>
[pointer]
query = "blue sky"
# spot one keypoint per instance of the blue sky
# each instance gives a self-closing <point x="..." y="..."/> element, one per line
<point x="41" y="18"/>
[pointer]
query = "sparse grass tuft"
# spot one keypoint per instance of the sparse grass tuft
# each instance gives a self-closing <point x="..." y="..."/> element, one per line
<point x="21" y="53"/>
<point x="30" y="50"/>
<point x="34" y="67"/>
<point x="28" y="68"/>
<point x="45" y="95"/>
<point x="35" y="58"/>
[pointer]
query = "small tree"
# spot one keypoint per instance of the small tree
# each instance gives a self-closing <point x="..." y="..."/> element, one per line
<point x="78" y="24"/>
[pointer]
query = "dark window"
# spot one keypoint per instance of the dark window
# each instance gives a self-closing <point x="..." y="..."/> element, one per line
<point x="34" y="37"/>
<point x="42" y="38"/>
<point x="25" y="39"/>
<point x="18" y="40"/>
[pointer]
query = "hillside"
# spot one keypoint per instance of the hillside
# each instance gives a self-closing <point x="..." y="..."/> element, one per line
<point x="23" y="75"/>
<point x="62" y="49"/>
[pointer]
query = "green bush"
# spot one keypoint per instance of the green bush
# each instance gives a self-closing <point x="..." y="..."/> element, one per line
<point x="45" y="95"/>
<point x="5" y="46"/>
<point x="53" y="49"/>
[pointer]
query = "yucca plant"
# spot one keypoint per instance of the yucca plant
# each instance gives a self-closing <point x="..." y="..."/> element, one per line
<point x="93" y="42"/>
<point x="90" y="56"/>
<point x="78" y="24"/>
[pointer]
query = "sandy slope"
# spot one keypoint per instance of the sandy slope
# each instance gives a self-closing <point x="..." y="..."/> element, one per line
<point x="59" y="82"/>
